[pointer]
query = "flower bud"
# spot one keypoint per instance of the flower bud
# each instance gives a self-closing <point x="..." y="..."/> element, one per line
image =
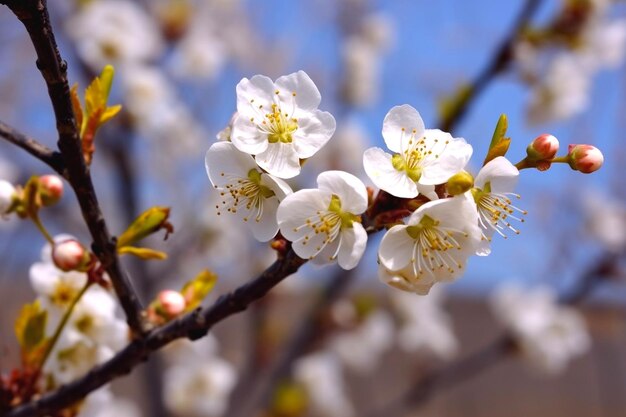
<point x="70" y="255"/>
<point x="544" y="147"/>
<point x="460" y="183"/>
<point x="585" y="158"/>
<point x="51" y="189"/>
<point x="7" y="195"/>
<point x="172" y="303"/>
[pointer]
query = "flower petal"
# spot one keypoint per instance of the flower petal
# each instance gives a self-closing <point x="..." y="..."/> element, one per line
<point x="314" y="130"/>
<point x="446" y="156"/>
<point x="396" y="248"/>
<point x="401" y="121"/>
<point x="279" y="159"/>
<point x="296" y="208"/>
<point x="223" y="160"/>
<point x="246" y="136"/>
<point x="253" y="95"/>
<point x="353" y="243"/>
<point x="328" y="253"/>
<point x="501" y="173"/>
<point x="400" y="281"/>
<point x="350" y="190"/>
<point x="266" y="227"/>
<point x="280" y="187"/>
<point x="299" y="87"/>
<point x="378" y="167"/>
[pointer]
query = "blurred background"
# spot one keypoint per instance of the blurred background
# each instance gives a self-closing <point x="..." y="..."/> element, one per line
<point x="552" y="66"/>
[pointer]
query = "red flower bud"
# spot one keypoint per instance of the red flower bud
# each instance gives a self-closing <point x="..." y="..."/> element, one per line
<point x="544" y="147"/>
<point x="70" y="255"/>
<point x="51" y="189"/>
<point x="585" y="158"/>
<point x="171" y="303"/>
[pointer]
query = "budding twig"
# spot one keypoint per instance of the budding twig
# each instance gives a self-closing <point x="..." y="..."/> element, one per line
<point x="46" y="155"/>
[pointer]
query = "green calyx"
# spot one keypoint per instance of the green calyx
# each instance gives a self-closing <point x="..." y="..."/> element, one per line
<point x="347" y="219"/>
<point x="400" y="164"/>
<point x="426" y="222"/>
<point x="479" y="193"/>
<point x="255" y="177"/>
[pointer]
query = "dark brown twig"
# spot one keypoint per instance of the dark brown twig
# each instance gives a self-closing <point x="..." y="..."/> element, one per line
<point x="34" y="15"/>
<point x="46" y="155"/>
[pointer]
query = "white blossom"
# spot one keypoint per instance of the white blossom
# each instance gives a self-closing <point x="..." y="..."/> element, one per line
<point x="422" y="157"/>
<point x="605" y="220"/>
<point x="321" y="375"/>
<point x="548" y="335"/>
<point x="492" y="193"/>
<point x="433" y="246"/>
<point x="199" y="55"/>
<point x="324" y="223"/>
<point x="279" y="123"/>
<point x="426" y="327"/>
<point x="361" y="349"/>
<point x="114" y="32"/>
<point x="7" y="192"/>
<point x="102" y="403"/>
<point x="246" y="191"/>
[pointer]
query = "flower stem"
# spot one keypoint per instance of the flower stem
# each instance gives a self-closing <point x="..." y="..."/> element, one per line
<point x="35" y="218"/>
<point x="57" y="333"/>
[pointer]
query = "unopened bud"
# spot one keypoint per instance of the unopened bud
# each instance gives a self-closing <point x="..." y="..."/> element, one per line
<point x="460" y="183"/>
<point x="70" y="255"/>
<point x="585" y="158"/>
<point x="51" y="189"/>
<point x="7" y="196"/>
<point x="168" y="305"/>
<point x="543" y="147"/>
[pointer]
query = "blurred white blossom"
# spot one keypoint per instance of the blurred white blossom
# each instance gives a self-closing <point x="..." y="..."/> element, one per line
<point x="548" y="335"/>
<point x="102" y="403"/>
<point x="605" y="220"/>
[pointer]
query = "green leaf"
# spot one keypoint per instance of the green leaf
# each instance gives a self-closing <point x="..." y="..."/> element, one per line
<point x="142" y="253"/>
<point x="30" y="327"/>
<point x="198" y="288"/>
<point x="149" y="222"/>
<point x="499" y="143"/>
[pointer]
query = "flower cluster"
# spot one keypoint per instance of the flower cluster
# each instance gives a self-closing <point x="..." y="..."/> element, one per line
<point x="437" y="214"/>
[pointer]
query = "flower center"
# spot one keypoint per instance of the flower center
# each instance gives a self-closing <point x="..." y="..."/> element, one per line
<point x="495" y="210"/>
<point x="279" y="126"/>
<point x="347" y="219"/>
<point x="432" y="246"/>
<point x="247" y="193"/>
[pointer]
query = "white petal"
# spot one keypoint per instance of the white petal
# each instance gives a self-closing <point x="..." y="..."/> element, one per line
<point x="246" y="136"/>
<point x="428" y="191"/>
<point x="280" y="187"/>
<point x="400" y="281"/>
<point x="279" y="159"/>
<point x="501" y="173"/>
<point x="313" y="132"/>
<point x="377" y="164"/>
<point x="43" y="278"/>
<point x="266" y="227"/>
<point x="400" y="122"/>
<point x="252" y="93"/>
<point x="350" y="190"/>
<point x="484" y="246"/>
<point x="328" y="253"/>
<point x="353" y="243"/>
<point x="307" y="96"/>
<point x="297" y="207"/>
<point x="396" y="248"/>
<point x="223" y="160"/>
<point x="447" y="156"/>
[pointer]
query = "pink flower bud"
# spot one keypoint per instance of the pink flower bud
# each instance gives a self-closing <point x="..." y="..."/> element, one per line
<point x="51" y="188"/>
<point x="172" y="303"/>
<point x="544" y="147"/>
<point x="70" y="255"/>
<point x="585" y="158"/>
<point x="7" y="194"/>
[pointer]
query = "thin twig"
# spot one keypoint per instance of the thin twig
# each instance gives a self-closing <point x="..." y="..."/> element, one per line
<point x="46" y="155"/>
<point x="34" y="15"/>
<point x="498" y="63"/>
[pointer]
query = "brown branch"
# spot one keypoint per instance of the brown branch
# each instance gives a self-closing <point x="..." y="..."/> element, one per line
<point x="46" y="155"/>
<point x="34" y="15"/>
<point x="500" y="61"/>
<point x="193" y="326"/>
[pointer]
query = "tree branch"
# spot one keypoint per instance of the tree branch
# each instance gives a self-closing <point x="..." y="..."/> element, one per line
<point x="34" y="15"/>
<point x="193" y="326"/>
<point x="46" y="155"/>
<point x="498" y="63"/>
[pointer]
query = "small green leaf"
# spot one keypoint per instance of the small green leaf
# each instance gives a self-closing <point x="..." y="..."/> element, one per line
<point x="499" y="143"/>
<point x="142" y="253"/>
<point x="149" y="222"/>
<point x="30" y="327"/>
<point x="198" y="288"/>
